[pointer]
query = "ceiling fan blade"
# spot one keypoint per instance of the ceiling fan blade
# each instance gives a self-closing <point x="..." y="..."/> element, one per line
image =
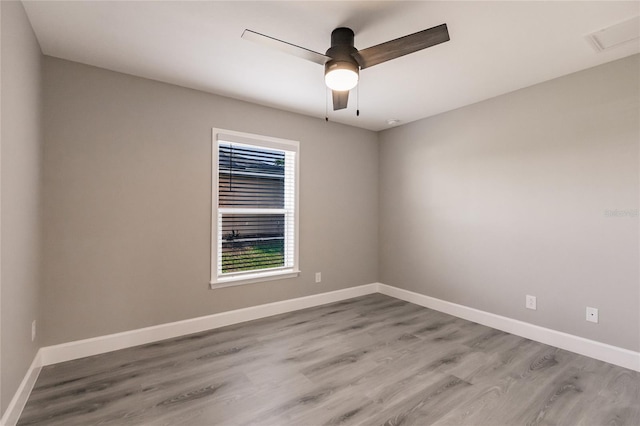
<point x="340" y="99"/>
<point x="393" y="49"/>
<point x="283" y="46"/>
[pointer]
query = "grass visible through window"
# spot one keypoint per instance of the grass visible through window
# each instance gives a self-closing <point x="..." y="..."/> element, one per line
<point x="239" y="256"/>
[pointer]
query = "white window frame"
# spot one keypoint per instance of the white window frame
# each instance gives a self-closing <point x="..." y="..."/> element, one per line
<point x="219" y="280"/>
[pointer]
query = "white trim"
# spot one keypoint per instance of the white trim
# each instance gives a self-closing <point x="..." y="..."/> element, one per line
<point x="251" y="139"/>
<point x="19" y="400"/>
<point x="251" y="278"/>
<point x="214" y="205"/>
<point x="112" y="342"/>
<point x="602" y="351"/>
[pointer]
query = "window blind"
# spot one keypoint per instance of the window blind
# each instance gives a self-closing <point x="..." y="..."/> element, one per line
<point x="256" y="208"/>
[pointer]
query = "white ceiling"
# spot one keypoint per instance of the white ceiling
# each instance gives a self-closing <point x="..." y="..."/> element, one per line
<point x="495" y="48"/>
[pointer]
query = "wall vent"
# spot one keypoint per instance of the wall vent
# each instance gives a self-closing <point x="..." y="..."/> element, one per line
<point x="615" y="35"/>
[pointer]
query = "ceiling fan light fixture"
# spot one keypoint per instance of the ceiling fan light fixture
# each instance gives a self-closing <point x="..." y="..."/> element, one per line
<point x="341" y="76"/>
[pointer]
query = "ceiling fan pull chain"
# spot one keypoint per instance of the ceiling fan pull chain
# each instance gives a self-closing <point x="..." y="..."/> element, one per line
<point x="358" y="101"/>
<point x="326" y="105"/>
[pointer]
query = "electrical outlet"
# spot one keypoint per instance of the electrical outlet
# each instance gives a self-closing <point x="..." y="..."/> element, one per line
<point x="592" y="314"/>
<point x="33" y="330"/>
<point x="531" y="302"/>
<point x="318" y="277"/>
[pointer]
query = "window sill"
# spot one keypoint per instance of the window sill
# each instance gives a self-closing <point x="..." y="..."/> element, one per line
<point x="222" y="282"/>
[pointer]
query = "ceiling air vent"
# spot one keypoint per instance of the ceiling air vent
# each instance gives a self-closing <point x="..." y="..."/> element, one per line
<point x="615" y="35"/>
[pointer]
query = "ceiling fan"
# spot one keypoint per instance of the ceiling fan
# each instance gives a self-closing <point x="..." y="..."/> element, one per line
<point x="343" y="62"/>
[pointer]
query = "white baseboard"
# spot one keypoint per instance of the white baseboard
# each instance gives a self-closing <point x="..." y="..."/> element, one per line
<point x="602" y="351"/>
<point x="81" y="348"/>
<point x="17" y="403"/>
<point x="97" y="345"/>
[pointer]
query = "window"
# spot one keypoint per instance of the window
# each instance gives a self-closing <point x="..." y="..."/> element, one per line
<point x="255" y="208"/>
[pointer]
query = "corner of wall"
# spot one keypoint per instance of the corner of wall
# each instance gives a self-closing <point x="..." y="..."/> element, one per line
<point x="21" y="137"/>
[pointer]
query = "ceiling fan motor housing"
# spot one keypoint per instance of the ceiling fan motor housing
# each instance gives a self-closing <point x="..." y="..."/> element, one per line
<point x="341" y="51"/>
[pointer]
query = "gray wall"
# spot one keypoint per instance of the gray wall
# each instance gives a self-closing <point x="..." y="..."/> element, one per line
<point x="483" y="205"/>
<point x="20" y="192"/>
<point x="127" y="172"/>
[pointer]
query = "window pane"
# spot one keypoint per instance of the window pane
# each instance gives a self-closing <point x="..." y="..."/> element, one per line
<point x="251" y="242"/>
<point x="250" y="177"/>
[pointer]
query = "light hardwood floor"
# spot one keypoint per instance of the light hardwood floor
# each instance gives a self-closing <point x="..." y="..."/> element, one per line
<point x="369" y="360"/>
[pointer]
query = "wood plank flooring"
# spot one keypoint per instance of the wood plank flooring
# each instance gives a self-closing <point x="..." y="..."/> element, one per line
<point x="371" y="360"/>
